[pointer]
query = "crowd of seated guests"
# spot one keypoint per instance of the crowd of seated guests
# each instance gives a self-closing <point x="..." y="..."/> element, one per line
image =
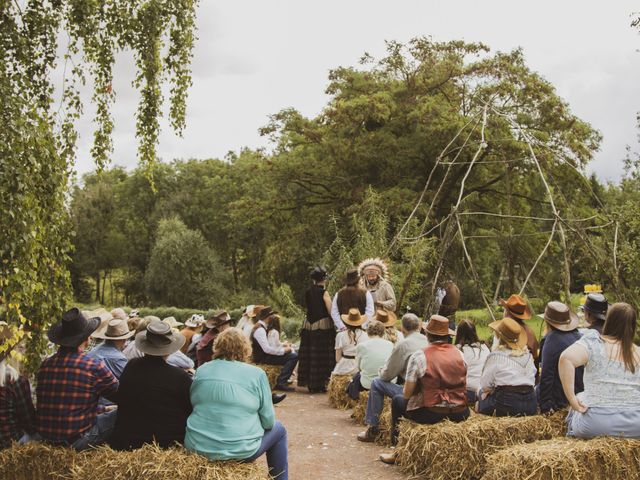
<point x="139" y="385"/>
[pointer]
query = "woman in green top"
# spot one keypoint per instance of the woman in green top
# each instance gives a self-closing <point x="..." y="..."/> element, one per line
<point x="233" y="416"/>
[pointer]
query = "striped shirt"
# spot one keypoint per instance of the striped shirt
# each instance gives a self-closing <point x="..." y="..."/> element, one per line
<point x="69" y="386"/>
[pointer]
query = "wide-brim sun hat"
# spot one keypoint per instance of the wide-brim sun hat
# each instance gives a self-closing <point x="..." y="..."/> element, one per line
<point x="73" y="329"/>
<point x="159" y="339"/>
<point x="511" y="332"/>
<point x="354" y="318"/>
<point x="219" y="319"/>
<point x="517" y="307"/>
<point x="194" y="321"/>
<point x="116" y="329"/>
<point x="560" y="317"/>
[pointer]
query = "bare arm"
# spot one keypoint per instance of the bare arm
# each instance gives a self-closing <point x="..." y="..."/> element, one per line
<point x="327" y="301"/>
<point x="573" y="357"/>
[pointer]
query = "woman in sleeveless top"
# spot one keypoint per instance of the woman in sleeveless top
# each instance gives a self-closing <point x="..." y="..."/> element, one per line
<point x="316" y="358"/>
<point x="610" y="402"/>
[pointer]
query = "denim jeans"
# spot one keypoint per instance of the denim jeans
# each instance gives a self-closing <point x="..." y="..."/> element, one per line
<point x="274" y="442"/>
<point x="509" y="404"/>
<point x="379" y="389"/>
<point x="288" y="362"/>
<point x="420" y="415"/>
<point x="99" y="433"/>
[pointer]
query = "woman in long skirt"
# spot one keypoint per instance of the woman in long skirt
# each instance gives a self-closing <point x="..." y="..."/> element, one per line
<point x="316" y="357"/>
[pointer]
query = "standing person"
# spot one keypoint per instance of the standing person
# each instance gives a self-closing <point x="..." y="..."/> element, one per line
<point x="610" y="402"/>
<point x="448" y="297"/>
<point x="352" y="295"/>
<point x="435" y="386"/>
<point x="265" y="353"/>
<point x="216" y="324"/>
<point x="70" y="382"/>
<point x="396" y="366"/>
<point x="595" y="311"/>
<point x="347" y="342"/>
<point x="562" y="325"/>
<point x="374" y="273"/>
<point x="246" y="321"/>
<point x="475" y="355"/>
<point x="192" y="326"/>
<point x="518" y="309"/>
<point x="509" y="374"/>
<point x="17" y="414"/>
<point x="153" y="398"/>
<point x="233" y="416"/>
<point x="316" y="357"/>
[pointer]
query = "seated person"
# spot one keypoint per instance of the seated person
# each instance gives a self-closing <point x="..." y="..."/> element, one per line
<point x="153" y="399"/>
<point x="506" y="384"/>
<point x="347" y="341"/>
<point x="435" y="386"/>
<point x="17" y="414"/>
<point x="215" y="324"/>
<point x="475" y="355"/>
<point x="396" y="366"/>
<point x="388" y="320"/>
<point x="114" y="338"/>
<point x="273" y="333"/>
<point x="265" y="353"/>
<point x="562" y="326"/>
<point x="371" y="356"/>
<point x="233" y="417"/>
<point x="610" y="403"/>
<point x="192" y="326"/>
<point x="70" y="382"/>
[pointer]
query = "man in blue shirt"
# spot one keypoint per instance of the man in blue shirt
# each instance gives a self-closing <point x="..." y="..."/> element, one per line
<point x="115" y="337"/>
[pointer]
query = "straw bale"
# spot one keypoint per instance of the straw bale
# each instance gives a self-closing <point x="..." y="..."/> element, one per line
<point x="450" y="450"/>
<point x="272" y="371"/>
<point x="36" y="461"/>
<point x="567" y="459"/>
<point x="338" y="397"/>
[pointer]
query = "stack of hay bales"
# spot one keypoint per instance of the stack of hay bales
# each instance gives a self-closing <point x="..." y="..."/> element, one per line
<point x="360" y="410"/>
<point x="39" y="462"/>
<point x="338" y="397"/>
<point x="567" y="459"/>
<point x="272" y="371"/>
<point x="460" y="450"/>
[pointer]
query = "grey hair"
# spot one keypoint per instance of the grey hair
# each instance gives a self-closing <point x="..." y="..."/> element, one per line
<point x="410" y="322"/>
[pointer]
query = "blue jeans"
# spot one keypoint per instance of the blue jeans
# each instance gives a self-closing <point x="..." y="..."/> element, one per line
<point x="274" y="442"/>
<point x="379" y="389"/>
<point x="509" y="404"/>
<point x="288" y="362"/>
<point x="99" y="433"/>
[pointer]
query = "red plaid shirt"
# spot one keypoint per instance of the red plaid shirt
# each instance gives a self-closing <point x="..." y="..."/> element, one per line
<point x="69" y="386"/>
<point x="17" y="415"/>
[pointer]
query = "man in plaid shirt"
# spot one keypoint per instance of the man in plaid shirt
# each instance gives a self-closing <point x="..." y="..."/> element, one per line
<point x="70" y="384"/>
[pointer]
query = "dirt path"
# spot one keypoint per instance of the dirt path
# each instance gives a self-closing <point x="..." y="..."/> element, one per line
<point x="323" y="444"/>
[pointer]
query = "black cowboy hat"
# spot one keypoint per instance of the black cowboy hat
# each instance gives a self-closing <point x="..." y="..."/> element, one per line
<point x="265" y="313"/>
<point x="318" y="274"/>
<point x="597" y="305"/>
<point x="352" y="277"/>
<point x="73" y="329"/>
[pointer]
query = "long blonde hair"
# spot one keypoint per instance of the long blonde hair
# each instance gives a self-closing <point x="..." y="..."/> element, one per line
<point x="391" y="334"/>
<point x="8" y="374"/>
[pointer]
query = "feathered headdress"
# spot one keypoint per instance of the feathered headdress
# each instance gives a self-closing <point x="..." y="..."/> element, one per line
<point x="376" y="263"/>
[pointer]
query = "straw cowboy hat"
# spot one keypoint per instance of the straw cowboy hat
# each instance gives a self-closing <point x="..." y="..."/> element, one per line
<point x="559" y="316"/>
<point x="116" y="329"/>
<point x="172" y="322"/>
<point x="439" y="326"/>
<point x="159" y="340"/>
<point x="387" y="317"/>
<point x="217" y="320"/>
<point x="194" y="321"/>
<point x="256" y="310"/>
<point x="73" y="329"/>
<point x="119" y="313"/>
<point x="511" y="332"/>
<point x="248" y="312"/>
<point x="517" y="307"/>
<point x="354" y="318"/>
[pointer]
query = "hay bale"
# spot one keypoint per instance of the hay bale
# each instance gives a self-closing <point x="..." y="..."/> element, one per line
<point x="567" y="459"/>
<point x="153" y="462"/>
<point x="272" y="371"/>
<point x="338" y="397"/>
<point x="36" y="461"/>
<point x="459" y="450"/>
<point x="359" y="413"/>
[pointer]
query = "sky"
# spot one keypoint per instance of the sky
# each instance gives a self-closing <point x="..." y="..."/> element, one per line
<point x="254" y="58"/>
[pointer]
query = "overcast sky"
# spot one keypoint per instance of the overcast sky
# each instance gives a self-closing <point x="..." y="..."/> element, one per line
<point x="254" y="58"/>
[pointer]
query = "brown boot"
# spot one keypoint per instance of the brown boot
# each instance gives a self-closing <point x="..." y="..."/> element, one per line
<point x="369" y="435"/>
<point x="389" y="458"/>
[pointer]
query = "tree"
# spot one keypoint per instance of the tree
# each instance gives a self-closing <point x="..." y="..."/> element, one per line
<point x="37" y="142"/>
<point x="183" y="270"/>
